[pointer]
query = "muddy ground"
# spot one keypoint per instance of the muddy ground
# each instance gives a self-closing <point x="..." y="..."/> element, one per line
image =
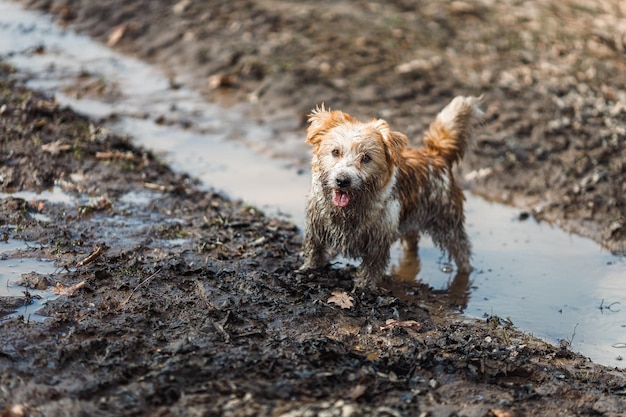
<point x="552" y="73"/>
<point x="193" y="305"/>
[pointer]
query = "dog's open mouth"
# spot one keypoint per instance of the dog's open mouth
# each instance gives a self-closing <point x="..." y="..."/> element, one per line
<point x="340" y="198"/>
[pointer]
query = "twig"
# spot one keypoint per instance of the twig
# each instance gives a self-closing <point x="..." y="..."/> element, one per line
<point x="153" y="186"/>
<point x="116" y="155"/>
<point x="609" y="307"/>
<point x="98" y="252"/>
<point x="571" y="339"/>
<point x="140" y="285"/>
<point x="218" y="326"/>
<point x="203" y="296"/>
<point x="61" y="289"/>
<point x="220" y="329"/>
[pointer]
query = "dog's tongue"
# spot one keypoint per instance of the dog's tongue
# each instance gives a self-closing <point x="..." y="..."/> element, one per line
<point x="340" y="199"/>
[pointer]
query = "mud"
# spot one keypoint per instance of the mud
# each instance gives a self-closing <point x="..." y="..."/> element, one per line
<point x="194" y="306"/>
<point x="554" y="142"/>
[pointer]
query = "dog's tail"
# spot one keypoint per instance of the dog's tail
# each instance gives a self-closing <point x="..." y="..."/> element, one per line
<point x="451" y="133"/>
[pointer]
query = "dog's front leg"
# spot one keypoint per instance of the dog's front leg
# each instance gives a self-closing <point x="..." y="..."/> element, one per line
<point x="460" y="250"/>
<point x="372" y="269"/>
<point x="314" y="253"/>
<point x="454" y="239"/>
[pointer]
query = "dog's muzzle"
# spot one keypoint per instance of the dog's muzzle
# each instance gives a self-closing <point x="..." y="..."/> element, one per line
<point x="343" y="182"/>
<point x="340" y="197"/>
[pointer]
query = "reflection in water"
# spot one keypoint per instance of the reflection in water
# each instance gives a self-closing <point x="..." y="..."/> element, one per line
<point x="408" y="266"/>
<point x="459" y="290"/>
<point x="407" y="270"/>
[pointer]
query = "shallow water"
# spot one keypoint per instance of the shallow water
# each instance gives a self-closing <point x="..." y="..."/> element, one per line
<point x="11" y="270"/>
<point x="549" y="283"/>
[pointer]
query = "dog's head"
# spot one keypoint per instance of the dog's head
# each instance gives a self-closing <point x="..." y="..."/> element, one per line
<point x="353" y="160"/>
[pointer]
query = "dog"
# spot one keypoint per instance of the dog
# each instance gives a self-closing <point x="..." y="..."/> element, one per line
<point x="369" y="189"/>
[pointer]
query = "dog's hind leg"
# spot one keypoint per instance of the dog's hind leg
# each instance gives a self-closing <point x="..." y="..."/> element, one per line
<point x="459" y="248"/>
<point x="455" y="241"/>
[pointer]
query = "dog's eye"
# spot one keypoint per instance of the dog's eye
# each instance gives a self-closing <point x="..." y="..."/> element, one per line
<point x="365" y="158"/>
<point x="335" y="152"/>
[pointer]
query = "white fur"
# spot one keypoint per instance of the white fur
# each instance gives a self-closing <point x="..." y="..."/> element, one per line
<point x="447" y="116"/>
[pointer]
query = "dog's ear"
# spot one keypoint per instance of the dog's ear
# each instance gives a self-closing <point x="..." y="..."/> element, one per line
<point x="321" y="121"/>
<point x="394" y="141"/>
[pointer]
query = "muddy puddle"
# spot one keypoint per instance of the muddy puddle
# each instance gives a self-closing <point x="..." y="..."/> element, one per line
<point x="551" y="284"/>
<point x="25" y="300"/>
<point x="23" y="275"/>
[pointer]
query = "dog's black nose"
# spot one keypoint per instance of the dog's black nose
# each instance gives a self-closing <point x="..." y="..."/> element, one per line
<point x="343" y="182"/>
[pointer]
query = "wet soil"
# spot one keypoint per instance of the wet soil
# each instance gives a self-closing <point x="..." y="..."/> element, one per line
<point x="194" y="306"/>
<point x="554" y="142"/>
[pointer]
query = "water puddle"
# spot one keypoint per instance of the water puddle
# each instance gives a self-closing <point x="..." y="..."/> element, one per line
<point x="551" y="284"/>
<point x="217" y="149"/>
<point x="53" y="195"/>
<point x="25" y="300"/>
<point x="25" y="282"/>
<point x="135" y="198"/>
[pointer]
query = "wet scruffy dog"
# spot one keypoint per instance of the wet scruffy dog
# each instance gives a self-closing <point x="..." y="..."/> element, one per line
<point x="369" y="189"/>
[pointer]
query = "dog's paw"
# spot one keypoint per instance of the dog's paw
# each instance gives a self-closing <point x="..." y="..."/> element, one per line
<point x="305" y="268"/>
<point x="364" y="282"/>
<point x="311" y="266"/>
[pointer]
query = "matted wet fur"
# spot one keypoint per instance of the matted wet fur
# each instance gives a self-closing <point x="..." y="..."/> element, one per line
<point x="369" y="188"/>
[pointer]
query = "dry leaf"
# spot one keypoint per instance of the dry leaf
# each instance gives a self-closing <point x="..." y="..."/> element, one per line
<point x="116" y="34"/>
<point x="500" y="413"/>
<point x="61" y="289"/>
<point x="221" y="80"/>
<point x="341" y="298"/>
<point x="409" y="324"/>
<point x="14" y="411"/>
<point x="357" y="391"/>
<point x="101" y="204"/>
<point x="55" y="147"/>
<point x="181" y="6"/>
<point x="37" y="206"/>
